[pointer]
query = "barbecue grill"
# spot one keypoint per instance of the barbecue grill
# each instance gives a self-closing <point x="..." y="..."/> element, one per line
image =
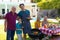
<point x="36" y="34"/>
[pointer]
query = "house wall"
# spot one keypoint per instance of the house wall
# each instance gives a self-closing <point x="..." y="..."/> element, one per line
<point x="7" y="4"/>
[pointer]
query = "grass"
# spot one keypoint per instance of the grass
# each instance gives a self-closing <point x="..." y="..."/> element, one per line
<point x="3" y="34"/>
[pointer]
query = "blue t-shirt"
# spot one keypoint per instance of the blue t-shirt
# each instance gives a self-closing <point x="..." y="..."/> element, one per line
<point x="18" y="26"/>
<point x="24" y="14"/>
<point x="25" y="22"/>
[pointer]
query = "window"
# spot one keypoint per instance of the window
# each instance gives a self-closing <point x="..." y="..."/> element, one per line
<point x="33" y="5"/>
<point x="7" y="10"/>
<point x="3" y="11"/>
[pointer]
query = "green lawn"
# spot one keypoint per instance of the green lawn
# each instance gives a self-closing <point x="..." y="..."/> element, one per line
<point x="3" y="34"/>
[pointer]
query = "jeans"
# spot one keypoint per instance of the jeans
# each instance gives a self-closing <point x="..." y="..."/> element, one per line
<point x="19" y="36"/>
<point x="10" y="34"/>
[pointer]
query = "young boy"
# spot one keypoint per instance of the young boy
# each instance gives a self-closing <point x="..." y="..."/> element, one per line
<point x="19" y="29"/>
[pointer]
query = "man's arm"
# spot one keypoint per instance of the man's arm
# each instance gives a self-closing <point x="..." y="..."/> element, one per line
<point x="5" y="25"/>
<point x="17" y="17"/>
<point x="29" y="18"/>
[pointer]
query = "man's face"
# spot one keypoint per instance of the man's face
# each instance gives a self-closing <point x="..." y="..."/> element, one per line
<point x="22" y="7"/>
<point x="13" y="9"/>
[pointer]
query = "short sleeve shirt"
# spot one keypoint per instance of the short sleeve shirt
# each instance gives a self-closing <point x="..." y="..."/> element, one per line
<point x="18" y="26"/>
<point x="11" y="20"/>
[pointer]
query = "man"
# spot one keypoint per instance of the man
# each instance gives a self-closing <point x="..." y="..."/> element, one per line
<point x="24" y="14"/>
<point x="10" y="23"/>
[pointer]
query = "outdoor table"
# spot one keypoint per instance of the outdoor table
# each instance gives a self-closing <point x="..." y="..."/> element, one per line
<point x="50" y="32"/>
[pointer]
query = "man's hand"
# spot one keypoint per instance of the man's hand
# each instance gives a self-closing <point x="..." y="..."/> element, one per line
<point x="5" y="24"/>
<point x="29" y="18"/>
<point x="22" y="27"/>
<point x="5" y="29"/>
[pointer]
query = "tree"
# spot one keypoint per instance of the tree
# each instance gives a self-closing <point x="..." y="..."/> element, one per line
<point x="35" y="1"/>
<point x="54" y="4"/>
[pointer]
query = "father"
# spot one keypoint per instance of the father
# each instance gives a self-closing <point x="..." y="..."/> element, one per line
<point x="24" y="14"/>
<point x="10" y="23"/>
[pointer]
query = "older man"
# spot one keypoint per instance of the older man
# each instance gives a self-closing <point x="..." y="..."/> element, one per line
<point x="10" y="23"/>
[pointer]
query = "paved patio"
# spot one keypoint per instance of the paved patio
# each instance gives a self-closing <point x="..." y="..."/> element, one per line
<point x="55" y="38"/>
